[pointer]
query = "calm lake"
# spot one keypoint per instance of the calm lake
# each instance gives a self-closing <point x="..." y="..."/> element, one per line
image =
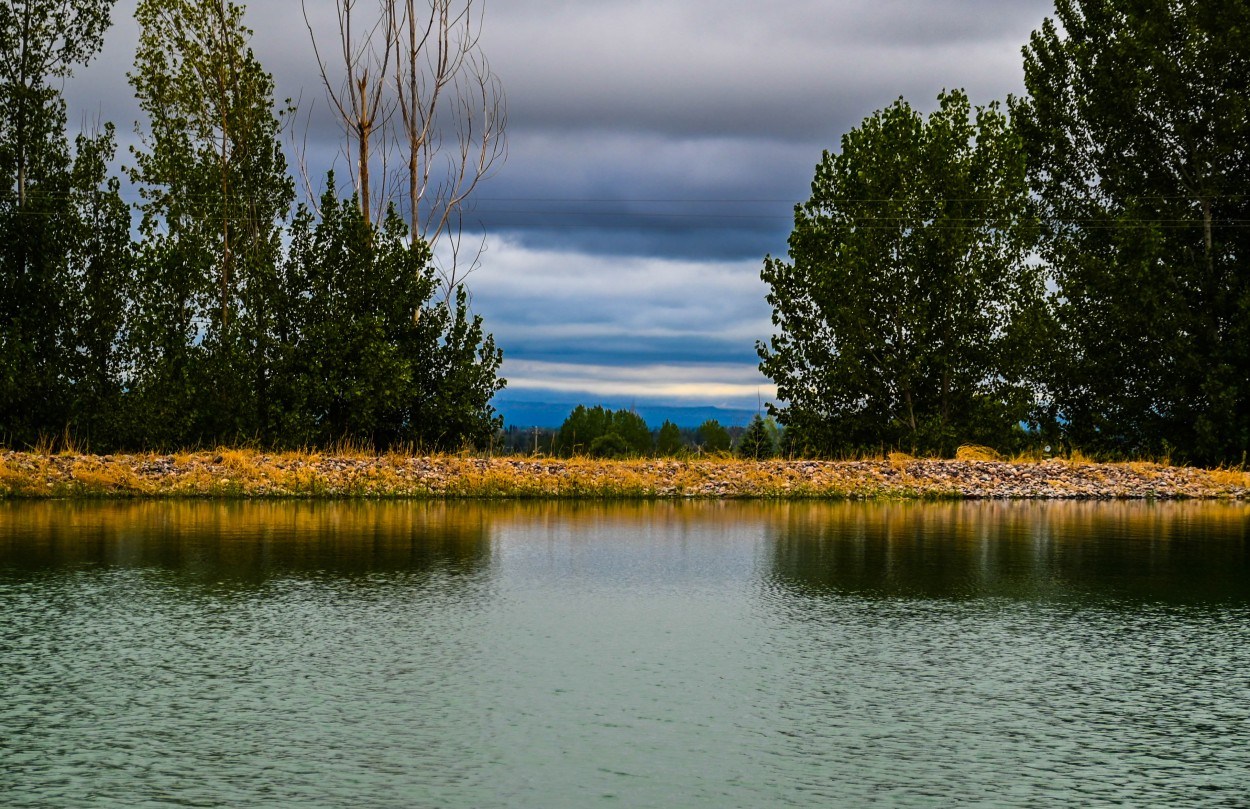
<point x="636" y="655"/>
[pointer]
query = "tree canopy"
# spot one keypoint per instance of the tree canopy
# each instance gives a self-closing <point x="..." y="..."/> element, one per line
<point x="1135" y="127"/>
<point x="668" y="440"/>
<point x="759" y="441"/>
<point x="713" y="437"/>
<point x="600" y="432"/>
<point x="64" y="230"/>
<point x="901" y="315"/>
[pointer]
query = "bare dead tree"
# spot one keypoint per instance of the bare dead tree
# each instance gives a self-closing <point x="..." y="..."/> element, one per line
<point x="452" y="114"/>
<point x="452" y="118"/>
<point x="359" y="99"/>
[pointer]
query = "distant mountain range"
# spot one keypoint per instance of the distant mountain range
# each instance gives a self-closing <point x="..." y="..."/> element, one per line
<point x="552" y="414"/>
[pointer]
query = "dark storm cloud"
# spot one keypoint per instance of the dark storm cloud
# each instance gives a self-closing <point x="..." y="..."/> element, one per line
<point x="714" y="198"/>
<point x="692" y="128"/>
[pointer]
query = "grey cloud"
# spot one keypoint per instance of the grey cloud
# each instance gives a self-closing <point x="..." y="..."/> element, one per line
<point x="630" y="350"/>
<point x="612" y="165"/>
<point x="705" y="243"/>
<point x="799" y="70"/>
<point x="647" y="99"/>
<point x="788" y="69"/>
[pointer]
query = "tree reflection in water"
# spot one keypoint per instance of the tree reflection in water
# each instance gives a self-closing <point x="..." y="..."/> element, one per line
<point x="1170" y="551"/>
<point x="247" y="543"/>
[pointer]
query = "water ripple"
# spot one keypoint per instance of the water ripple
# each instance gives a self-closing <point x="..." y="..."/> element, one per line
<point x="686" y="656"/>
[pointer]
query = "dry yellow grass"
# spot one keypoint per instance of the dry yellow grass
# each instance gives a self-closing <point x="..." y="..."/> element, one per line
<point x="975" y="452"/>
<point x="13" y="479"/>
<point x="227" y="472"/>
<point x="92" y="477"/>
<point x="1229" y="477"/>
<point x="1078" y="457"/>
<point x="1147" y="469"/>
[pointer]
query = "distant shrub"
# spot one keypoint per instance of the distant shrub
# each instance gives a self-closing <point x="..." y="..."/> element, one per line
<point x="609" y="446"/>
<point x="713" y="437"/>
<point x="758" y="442"/>
<point x="586" y="425"/>
<point x="668" y="441"/>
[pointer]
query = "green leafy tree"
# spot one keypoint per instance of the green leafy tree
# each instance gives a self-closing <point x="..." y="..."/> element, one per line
<point x="585" y="425"/>
<point x="668" y="440"/>
<point x="633" y="428"/>
<point x="1136" y="124"/>
<point x="101" y="258"/>
<point x="759" y="442"/>
<point x="579" y="430"/>
<point x="62" y="227"/>
<point x="41" y="40"/>
<point x="216" y="192"/>
<point x="461" y="382"/>
<point x="610" y="445"/>
<point x="713" y="437"/>
<point x="901" y="315"/>
<point x="366" y="353"/>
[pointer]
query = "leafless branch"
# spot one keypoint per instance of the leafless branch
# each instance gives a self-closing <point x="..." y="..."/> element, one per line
<point x="446" y="91"/>
<point x="359" y="99"/>
<point x="442" y="108"/>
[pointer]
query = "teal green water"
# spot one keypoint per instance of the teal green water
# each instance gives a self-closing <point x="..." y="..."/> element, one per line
<point x="643" y="655"/>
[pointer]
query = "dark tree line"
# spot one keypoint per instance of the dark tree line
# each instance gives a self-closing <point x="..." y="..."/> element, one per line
<point x="1077" y="272"/>
<point x="230" y="317"/>
<point x="598" y="432"/>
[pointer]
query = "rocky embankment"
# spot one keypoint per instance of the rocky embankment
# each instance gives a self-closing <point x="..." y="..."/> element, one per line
<point x="237" y="473"/>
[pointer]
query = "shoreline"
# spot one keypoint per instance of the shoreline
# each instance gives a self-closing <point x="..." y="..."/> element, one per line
<point x="253" y="474"/>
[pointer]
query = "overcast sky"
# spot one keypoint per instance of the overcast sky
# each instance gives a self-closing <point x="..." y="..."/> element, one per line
<point x="656" y="151"/>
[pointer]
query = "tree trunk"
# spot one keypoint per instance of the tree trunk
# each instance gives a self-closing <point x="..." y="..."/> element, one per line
<point x="410" y="123"/>
<point x="226" y="257"/>
<point x="364" y="127"/>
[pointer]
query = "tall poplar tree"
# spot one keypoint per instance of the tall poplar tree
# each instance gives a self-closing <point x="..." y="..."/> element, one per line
<point x="216" y="191"/>
<point x="1136" y="124"/>
<point x="64" y="232"/>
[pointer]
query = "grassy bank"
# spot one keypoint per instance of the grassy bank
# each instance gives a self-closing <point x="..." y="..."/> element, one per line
<point x="247" y="473"/>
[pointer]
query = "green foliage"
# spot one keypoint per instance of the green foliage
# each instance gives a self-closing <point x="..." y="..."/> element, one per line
<point x="713" y="437"/>
<point x="216" y="192"/>
<point x="611" y="445"/>
<point x="365" y="352"/>
<point x="668" y="442"/>
<point x="1135" y="125"/>
<point x="633" y="428"/>
<point x="759" y="442"/>
<point x="41" y="40"/>
<point x="102" y="261"/>
<point x="904" y="315"/>
<point x="64" y="232"/>
<point x="581" y="428"/>
<point x="584" y="426"/>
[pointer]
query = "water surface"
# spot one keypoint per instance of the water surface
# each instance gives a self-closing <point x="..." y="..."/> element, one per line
<point x="565" y="655"/>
